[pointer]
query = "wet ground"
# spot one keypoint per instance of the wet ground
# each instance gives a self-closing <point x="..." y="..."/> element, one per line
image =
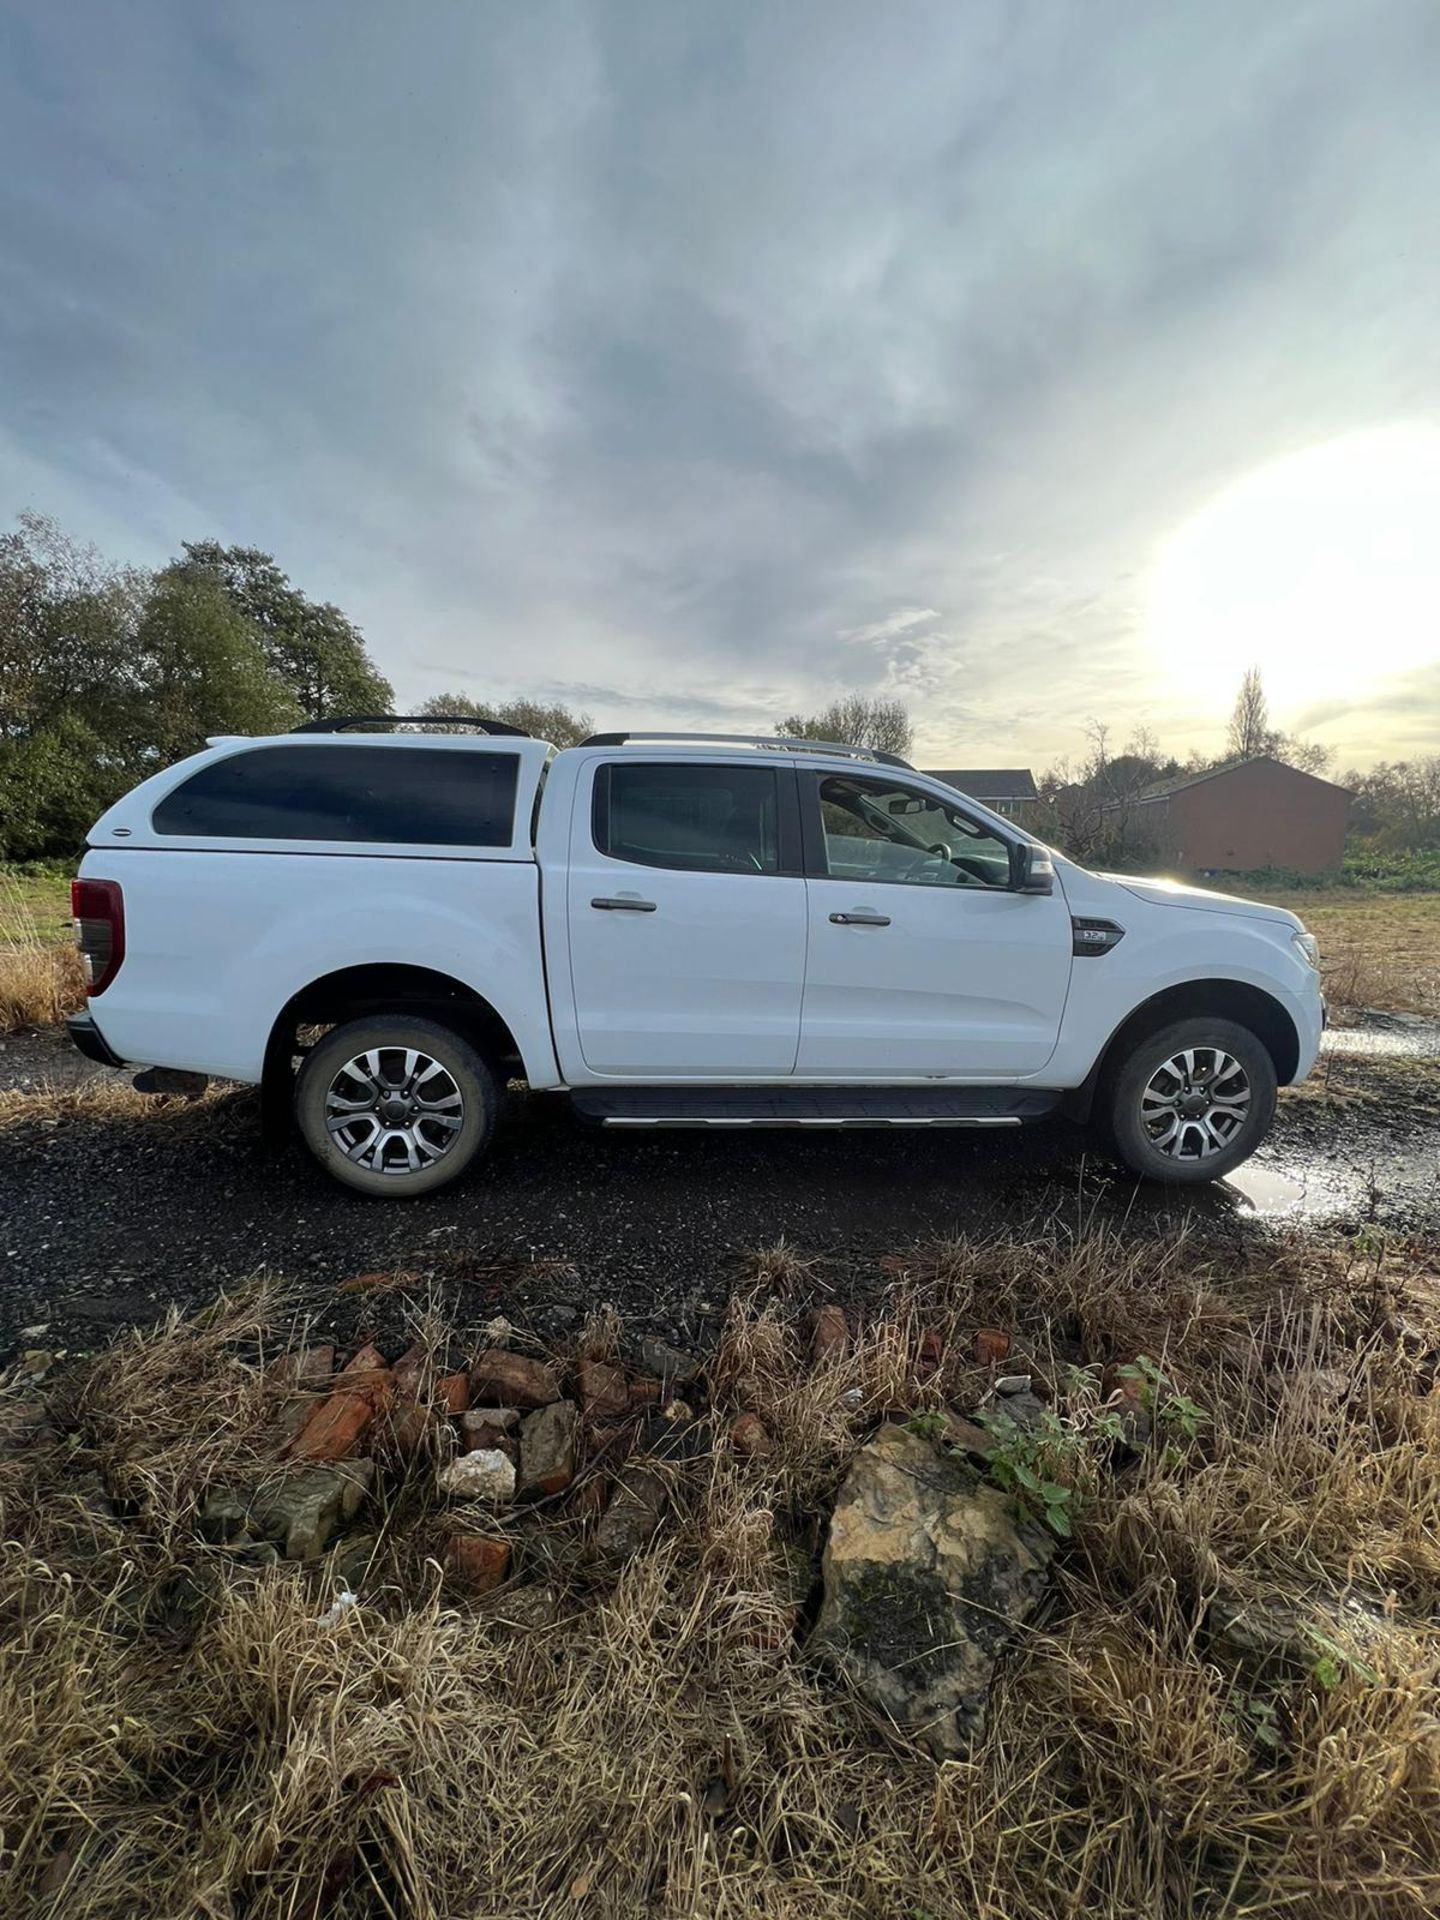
<point x="108" y="1219"/>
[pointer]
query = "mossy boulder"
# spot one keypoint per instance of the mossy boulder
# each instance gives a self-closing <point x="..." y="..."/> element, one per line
<point x="928" y="1572"/>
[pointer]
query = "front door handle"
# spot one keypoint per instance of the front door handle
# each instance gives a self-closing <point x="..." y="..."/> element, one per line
<point x="622" y="903"/>
<point x="860" y="919"/>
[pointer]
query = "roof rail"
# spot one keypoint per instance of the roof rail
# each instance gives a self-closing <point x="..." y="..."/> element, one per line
<point x="787" y="742"/>
<point x="342" y="723"/>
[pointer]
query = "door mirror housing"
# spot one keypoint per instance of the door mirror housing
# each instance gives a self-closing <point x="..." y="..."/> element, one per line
<point x="1031" y="869"/>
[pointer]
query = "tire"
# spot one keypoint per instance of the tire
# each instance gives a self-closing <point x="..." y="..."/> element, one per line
<point x="1185" y="1131"/>
<point x="412" y="1148"/>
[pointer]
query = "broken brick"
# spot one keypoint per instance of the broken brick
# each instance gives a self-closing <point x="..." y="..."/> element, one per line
<point x="749" y="1438"/>
<point x="505" y="1379"/>
<point x="412" y="1374"/>
<point x="991" y="1346"/>
<point x="335" y="1429"/>
<point x="476" y="1563"/>
<point x="644" y="1391"/>
<point x="490" y="1427"/>
<point x="601" y="1390"/>
<point x="453" y="1392"/>
<point x="829" y="1335"/>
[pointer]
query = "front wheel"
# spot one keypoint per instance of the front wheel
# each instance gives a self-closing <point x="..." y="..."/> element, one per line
<point x="1192" y="1101"/>
<point x="395" y="1106"/>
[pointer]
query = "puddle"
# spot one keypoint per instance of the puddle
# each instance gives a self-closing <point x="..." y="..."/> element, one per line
<point x="1387" y="1036"/>
<point x="1264" y="1190"/>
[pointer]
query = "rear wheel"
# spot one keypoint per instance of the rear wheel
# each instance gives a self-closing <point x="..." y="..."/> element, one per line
<point x="395" y="1106"/>
<point x="1192" y="1101"/>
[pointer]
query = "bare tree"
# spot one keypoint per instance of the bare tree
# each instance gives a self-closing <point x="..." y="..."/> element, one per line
<point x="860" y="720"/>
<point x="1250" y="733"/>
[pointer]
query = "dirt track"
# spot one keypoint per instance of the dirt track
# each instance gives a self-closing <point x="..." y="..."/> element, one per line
<point x="104" y="1221"/>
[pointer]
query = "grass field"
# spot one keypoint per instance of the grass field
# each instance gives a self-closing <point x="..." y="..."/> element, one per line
<point x="184" y="1732"/>
<point x="1378" y="949"/>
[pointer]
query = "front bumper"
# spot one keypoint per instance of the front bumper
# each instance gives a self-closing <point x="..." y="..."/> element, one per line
<point x="92" y="1043"/>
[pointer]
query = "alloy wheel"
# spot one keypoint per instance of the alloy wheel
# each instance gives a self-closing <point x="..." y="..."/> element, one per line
<point x="1195" y="1103"/>
<point x="394" y="1110"/>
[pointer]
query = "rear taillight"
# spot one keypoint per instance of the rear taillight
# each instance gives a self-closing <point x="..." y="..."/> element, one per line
<point x="99" y="911"/>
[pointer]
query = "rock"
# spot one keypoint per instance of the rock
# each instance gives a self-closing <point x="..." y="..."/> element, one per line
<point x="968" y="1437"/>
<point x="526" y="1606"/>
<point x="547" y="1450"/>
<point x="1282" y="1638"/>
<point x="1011" y="1383"/>
<point x="667" y="1363"/>
<point x="749" y="1438"/>
<point x="601" y="1390"/>
<point x="303" y="1511"/>
<point x="677" y="1412"/>
<point x="829" y="1336"/>
<point x="634" y="1513"/>
<point x="352" y="1561"/>
<point x="1025" y="1409"/>
<point x="302" y="1367"/>
<point x="485" y="1475"/>
<point x="223" y="1515"/>
<point x="506" y="1379"/>
<point x="497" y="1332"/>
<point x="927" y="1572"/>
<point x="589" y="1499"/>
<point x="335" y="1429"/>
<point x="990" y="1346"/>
<point x="452" y="1392"/>
<point x="493" y="1428"/>
<point x="475" y="1563"/>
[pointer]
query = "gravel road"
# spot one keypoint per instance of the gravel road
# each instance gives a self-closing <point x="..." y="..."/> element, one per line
<point x="108" y="1220"/>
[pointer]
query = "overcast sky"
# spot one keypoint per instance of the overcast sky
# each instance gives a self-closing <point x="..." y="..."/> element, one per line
<point x="693" y="360"/>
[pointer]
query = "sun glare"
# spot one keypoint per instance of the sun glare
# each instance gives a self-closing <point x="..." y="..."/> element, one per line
<point x="1322" y="569"/>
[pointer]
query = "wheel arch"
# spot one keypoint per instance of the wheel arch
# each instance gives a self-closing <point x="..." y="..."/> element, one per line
<point x="351" y="993"/>
<point x="1237" y="1000"/>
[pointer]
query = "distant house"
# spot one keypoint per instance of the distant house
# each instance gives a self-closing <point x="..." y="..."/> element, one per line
<point x="1002" y="789"/>
<point x="1251" y="814"/>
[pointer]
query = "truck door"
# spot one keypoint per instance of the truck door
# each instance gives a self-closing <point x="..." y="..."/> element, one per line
<point x="922" y="960"/>
<point x="686" y="919"/>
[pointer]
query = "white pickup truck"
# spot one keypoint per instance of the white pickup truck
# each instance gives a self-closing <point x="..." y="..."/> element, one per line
<point x="385" y="928"/>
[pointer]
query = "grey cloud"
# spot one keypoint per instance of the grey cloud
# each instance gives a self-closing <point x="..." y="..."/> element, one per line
<point x="684" y="353"/>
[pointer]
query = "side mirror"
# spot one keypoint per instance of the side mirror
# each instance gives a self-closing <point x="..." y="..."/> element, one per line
<point x="1031" y="869"/>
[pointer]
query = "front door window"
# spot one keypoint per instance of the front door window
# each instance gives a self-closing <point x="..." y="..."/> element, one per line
<point x="875" y="830"/>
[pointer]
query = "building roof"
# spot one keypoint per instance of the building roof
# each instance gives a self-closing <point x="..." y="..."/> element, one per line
<point x="987" y="783"/>
<point x="1167" y="787"/>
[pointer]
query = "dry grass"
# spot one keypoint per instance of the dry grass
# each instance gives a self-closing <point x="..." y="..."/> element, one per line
<point x="112" y="1100"/>
<point x="1377" y="949"/>
<point x="40" y="980"/>
<point x="180" y="1737"/>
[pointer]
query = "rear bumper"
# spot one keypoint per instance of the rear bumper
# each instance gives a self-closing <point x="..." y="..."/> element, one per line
<point x="92" y="1043"/>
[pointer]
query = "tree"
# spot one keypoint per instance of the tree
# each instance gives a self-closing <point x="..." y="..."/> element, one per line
<point x="313" y="647"/>
<point x="1249" y="733"/>
<point x="859" y="720"/>
<point x="543" y="722"/>
<point x="204" y="669"/>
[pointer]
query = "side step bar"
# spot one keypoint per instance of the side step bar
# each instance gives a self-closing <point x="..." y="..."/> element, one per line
<point x="813" y="1106"/>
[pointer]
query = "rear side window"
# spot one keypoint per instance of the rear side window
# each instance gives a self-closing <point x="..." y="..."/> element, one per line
<point x="704" y="819"/>
<point x="416" y="795"/>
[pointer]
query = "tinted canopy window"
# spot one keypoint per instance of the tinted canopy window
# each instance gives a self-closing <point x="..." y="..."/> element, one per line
<point x="423" y="796"/>
<point x="707" y="819"/>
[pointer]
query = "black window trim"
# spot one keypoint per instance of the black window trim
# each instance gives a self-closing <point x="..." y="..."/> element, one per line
<point x="791" y="852"/>
<point x="812" y="829"/>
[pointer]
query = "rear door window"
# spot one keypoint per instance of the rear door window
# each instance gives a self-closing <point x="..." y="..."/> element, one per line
<point x="703" y="819"/>
<point x="418" y="796"/>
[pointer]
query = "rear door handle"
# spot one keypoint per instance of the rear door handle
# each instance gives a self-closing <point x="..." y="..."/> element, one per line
<point x="622" y="904"/>
<point x="860" y="919"/>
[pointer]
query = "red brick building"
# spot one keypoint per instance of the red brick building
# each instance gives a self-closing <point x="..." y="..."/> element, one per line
<point x="1255" y="813"/>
